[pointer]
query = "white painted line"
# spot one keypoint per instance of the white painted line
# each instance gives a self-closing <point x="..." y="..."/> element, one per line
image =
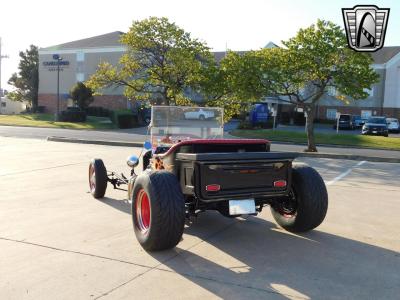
<point x="344" y="174"/>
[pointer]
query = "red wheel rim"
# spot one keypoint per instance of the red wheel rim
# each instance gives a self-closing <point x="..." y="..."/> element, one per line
<point x="143" y="211"/>
<point x="92" y="178"/>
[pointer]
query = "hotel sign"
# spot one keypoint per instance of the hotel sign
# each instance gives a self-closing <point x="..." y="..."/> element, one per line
<point x="52" y="65"/>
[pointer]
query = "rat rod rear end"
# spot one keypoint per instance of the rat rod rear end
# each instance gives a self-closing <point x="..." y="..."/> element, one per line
<point x="188" y="168"/>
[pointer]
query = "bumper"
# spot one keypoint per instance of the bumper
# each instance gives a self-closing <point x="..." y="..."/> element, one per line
<point x="374" y="132"/>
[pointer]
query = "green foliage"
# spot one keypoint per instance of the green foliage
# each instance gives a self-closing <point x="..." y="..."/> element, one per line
<point x="123" y="118"/>
<point x="26" y="81"/>
<point x="81" y="95"/>
<point x="227" y="84"/>
<point x="314" y="60"/>
<point x="161" y="62"/>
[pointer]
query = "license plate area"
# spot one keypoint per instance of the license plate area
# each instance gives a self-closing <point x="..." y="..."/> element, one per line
<point x="242" y="207"/>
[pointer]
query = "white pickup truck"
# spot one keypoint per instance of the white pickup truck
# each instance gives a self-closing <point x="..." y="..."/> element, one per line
<point x="200" y="114"/>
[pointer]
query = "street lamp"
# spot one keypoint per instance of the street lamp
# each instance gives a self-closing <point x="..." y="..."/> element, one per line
<point x="58" y="58"/>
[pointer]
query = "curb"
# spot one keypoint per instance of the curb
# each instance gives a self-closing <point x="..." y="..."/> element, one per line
<point x="349" y="157"/>
<point x="322" y="145"/>
<point x="298" y="154"/>
<point x="94" y="142"/>
<point x="333" y="146"/>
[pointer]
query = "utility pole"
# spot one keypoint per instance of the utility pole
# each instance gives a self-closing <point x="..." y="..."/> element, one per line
<point x="1" y="57"/>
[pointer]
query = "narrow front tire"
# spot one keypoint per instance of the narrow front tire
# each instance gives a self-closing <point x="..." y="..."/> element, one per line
<point x="97" y="178"/>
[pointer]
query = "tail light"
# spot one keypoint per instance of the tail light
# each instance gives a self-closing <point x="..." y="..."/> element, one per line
<point x="280" y="183"/>
<point x="213" y="187"/>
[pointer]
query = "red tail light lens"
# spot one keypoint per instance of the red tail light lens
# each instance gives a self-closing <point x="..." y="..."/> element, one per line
<point x="280" y="183"/>
<point x="213" y="187"/>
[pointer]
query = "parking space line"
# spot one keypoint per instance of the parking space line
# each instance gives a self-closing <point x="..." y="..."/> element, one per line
<point x="344" y="174"/>
<point x="41" y="169"/>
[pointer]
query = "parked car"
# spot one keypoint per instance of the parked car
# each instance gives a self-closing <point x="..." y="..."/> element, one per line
<point x="345" y="122"/>
<point x="199" y="114"/>
<point x="375" y="126"/>
<point x="145" y="115"/>
<point x="358" y="122"/>
<point x="393" y="125"/>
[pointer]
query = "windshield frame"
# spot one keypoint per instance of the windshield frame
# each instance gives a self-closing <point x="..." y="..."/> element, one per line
<point x="172" y="124"/>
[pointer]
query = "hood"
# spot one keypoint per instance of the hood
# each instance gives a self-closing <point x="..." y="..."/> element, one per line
<point x="375" y="124"/>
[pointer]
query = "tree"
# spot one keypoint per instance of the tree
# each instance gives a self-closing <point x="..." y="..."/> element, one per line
<point x="228" y="84"/>
<point x="26" y="82"/>
<point x="161" y="63"/>
<point x="314" y="60"/>
<point x="82" y="95"/>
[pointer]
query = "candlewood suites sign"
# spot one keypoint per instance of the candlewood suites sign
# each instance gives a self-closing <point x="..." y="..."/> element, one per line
<point x="52" y="65"/>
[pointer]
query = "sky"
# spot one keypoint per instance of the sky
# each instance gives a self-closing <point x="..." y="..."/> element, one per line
<point x="222" y="24"/>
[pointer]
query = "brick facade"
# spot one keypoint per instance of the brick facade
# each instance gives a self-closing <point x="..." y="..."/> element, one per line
<point x="49" y="101"/>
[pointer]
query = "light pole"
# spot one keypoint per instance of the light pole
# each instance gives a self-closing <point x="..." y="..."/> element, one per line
<point x="1" y="57"/>
<point x="58" y="58"/>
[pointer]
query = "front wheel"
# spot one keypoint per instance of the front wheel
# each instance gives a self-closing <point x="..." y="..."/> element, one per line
<point x="97" y="178"/>
<point x="306" y="206"/>
<point x="158" y="210"/>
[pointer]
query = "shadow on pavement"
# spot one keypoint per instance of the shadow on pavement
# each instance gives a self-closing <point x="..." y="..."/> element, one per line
<point x="253" y="254"/>
<point x="122" y="205"/>
<point x="252" y="257"/>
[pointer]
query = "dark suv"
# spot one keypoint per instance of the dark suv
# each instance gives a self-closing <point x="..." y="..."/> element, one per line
<point x="375" y="126"/>
<point x="345" y="122"/>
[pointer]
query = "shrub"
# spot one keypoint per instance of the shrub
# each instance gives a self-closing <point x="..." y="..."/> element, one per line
<point x="259" y="125"/>
<point x="98" y="111"/>
<point x="245" y="125"/>
<point x="72" y="115"/>
<point x="124" y="119"/>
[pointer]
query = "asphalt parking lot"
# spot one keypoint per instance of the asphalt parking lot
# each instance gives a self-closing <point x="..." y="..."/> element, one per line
<point x="57" y="242"/>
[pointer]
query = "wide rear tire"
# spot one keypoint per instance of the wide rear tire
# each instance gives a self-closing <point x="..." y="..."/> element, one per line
<point x="158" y="210"/>
<point x="97" y="178"/>
<point x="307" y="204"/>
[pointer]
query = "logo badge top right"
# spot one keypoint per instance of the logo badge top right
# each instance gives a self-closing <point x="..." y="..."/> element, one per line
<point x="365" y="27"/>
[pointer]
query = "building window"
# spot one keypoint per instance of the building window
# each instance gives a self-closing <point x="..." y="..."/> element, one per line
<point x="331" y="91"/>
<point x="331" y="113"/>
<point x="80" y="56"/>
<point x="365" y="114"/>
<point x="370" y="92"/>
<point x="80" y="77"/>
<point x="3" y="104"/>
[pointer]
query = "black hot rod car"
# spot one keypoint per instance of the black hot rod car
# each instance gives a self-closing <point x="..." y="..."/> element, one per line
<point x="189" y="168"/>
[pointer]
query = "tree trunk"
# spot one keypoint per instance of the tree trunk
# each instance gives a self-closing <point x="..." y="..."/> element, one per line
<point x="310" y="109"/>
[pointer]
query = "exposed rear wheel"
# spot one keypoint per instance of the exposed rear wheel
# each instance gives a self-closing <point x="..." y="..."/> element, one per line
<point x="158" y="210"/>
<point x="97" y="178"/>
<point x="306" y="206"/>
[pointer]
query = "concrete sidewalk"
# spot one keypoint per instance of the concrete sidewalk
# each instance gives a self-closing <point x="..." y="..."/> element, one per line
<point x="57" y="242"/>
